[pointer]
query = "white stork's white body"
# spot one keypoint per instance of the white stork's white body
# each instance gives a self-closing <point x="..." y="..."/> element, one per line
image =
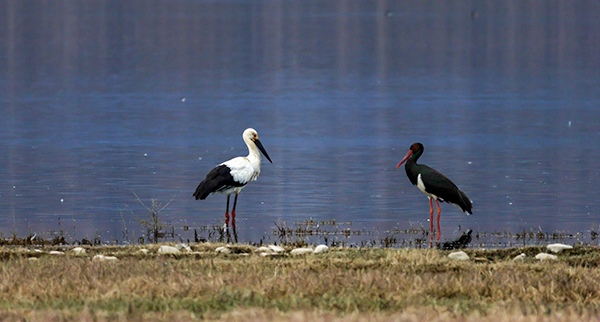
<point x="232" y="176"/>
<point x="243" y="169"/>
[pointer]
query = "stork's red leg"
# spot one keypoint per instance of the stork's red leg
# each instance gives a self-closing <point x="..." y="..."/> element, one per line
<point x="233" y="211"/>
<point x="438" y="220"/>
<point x="431" y="221"/>
<point x="233" y="219"/>
<point x="227" y="213"/>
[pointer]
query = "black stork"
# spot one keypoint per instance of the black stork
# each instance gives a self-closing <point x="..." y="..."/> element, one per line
<point x="233" y="175"/>
<point x="434" y="185"/>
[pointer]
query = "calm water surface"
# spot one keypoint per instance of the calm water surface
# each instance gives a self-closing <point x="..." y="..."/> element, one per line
<point x="102" y="100"/>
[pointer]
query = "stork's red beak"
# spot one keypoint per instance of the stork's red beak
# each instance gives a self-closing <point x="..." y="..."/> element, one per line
<point x="410" y="152"/>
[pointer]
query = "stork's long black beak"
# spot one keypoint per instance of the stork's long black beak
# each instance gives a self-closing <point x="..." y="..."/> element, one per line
<point x="262" y="149"/>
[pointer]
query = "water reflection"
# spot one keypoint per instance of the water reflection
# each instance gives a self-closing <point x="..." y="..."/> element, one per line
<point x="103" y="99"/>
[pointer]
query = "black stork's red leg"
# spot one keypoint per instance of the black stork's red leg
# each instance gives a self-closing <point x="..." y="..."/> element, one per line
<point x="439" y="211"/>
<point x="434" y="185"/>
<point x="439" y="232"/>
<point x="431" y="221"/>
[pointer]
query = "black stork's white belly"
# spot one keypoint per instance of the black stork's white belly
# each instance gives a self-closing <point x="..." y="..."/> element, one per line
<point x="433" y="184"/>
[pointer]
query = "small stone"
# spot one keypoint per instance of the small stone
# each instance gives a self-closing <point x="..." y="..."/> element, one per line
<point x="268" y="254"/>
<point x="223" y="250"/>
<point x="78" y="251"/>
<point x="56" y="252"/>
<point x="264" y="249"/>
<point x="300" y="251"/>
<point x="168" y="250"/>
<point x="103" y="258"/>
<point x="32" y="259"/>
<point x="277" y="249"/>
<point x="143" y="251"/>
<point x="184" y="248"/>
<point x="459" y="256"/>
<point x="321" y="249"/>
<point x="520" y="257"/>
<point x="556" y="248"/>
<point x="544" y="256"/>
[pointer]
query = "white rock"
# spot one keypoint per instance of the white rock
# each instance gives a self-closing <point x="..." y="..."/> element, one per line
<point x="264" y="249"/>
<point x="32" y="259"/>
<point x="78" y="251"/>
<point x="102" y="258"/>
<point x="267" y="254"/>
<point x="520" y="257"/>
<point x="300" y="251"/>
<point x="460" y="255"/>
<point x="223" y="250"/>
<point x="544" y="256"/>
<point x="56" y="252"/>
<point x="277" y="249"/>
<point x="555" y="248"/>
<point x="184" y="248"/>
<point x="168" y="250"/>
<point x="321" y="249"/>
<point x="143" y="251"/>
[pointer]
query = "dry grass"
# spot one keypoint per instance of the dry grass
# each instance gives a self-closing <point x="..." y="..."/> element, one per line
<point x="344" y="284"/>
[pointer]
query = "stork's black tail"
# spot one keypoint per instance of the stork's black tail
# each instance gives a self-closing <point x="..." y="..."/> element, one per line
<point x="465" y="203"/>
<point x="204" y="189"/>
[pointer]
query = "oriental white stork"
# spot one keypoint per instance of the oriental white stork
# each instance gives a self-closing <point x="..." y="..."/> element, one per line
<point x="233" y="175"/>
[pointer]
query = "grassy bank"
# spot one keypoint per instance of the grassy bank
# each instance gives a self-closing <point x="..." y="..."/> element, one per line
<point x="343" y="284"/>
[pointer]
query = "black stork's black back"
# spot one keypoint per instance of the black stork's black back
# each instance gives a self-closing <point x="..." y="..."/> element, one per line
<point x="435" y="182"/>
<point x="438" y="184"/>
<point x="218" y="179"/>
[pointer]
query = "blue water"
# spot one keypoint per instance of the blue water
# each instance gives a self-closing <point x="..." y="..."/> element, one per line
<point x="105" y="100"/>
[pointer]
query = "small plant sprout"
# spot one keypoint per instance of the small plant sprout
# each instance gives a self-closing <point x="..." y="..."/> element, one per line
<point x="155" y="228"/>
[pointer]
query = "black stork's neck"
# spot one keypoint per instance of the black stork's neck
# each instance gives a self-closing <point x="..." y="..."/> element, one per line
<point x="411" y="166"/>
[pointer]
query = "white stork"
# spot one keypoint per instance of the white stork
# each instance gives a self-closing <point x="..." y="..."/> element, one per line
<point x="233" y="175"/>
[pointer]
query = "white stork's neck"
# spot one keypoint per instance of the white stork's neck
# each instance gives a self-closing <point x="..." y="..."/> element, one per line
<point x="253" y="153"/>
